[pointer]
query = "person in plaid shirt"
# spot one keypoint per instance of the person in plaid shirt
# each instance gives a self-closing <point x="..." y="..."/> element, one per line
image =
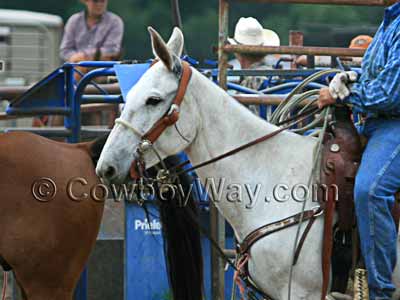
<point x="376" y="95"/>
<point x="92" y="34"/>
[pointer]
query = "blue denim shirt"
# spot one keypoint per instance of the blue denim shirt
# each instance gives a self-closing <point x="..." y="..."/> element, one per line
<point x="378" y="88"/>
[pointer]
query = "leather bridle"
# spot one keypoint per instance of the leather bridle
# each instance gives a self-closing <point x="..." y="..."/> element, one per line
<point x="184" y="73"/>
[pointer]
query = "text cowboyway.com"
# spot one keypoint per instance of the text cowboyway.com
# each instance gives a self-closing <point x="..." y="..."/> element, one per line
<point x="78" y="189"/>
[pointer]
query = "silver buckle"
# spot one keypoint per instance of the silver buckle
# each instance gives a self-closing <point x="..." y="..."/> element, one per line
<point x="144" y="146"/>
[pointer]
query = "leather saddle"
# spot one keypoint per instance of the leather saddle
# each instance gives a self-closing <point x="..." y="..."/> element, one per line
<point x="341" y="156"/>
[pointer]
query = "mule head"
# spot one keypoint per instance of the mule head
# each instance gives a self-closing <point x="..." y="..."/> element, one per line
<point x="147" y="102"/>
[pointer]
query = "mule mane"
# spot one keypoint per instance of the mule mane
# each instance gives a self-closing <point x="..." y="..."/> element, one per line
<point x="205" y="92"/>
<point x="250" y="125"/>
<point x="225" y="96"/>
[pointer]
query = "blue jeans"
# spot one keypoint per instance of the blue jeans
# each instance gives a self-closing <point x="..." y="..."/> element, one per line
<point x="377" y="181"/>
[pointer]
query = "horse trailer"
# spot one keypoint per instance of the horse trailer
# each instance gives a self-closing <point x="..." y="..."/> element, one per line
<point x="29" y="46"/>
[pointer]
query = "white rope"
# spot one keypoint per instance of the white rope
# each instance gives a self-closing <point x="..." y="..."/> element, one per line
<point x="317" y="156"/>
<point x="129" y="126"/>
<point x="281" y="113"/>
<point x="296" y="96"/>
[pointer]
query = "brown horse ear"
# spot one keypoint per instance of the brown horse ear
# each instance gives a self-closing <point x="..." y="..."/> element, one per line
<point x="160" y="49"/>
<point x="176" y="41"/>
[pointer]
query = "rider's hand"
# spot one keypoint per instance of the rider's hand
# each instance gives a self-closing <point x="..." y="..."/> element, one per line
<point x="340" y="85"/>
<point x="325" y="98"/>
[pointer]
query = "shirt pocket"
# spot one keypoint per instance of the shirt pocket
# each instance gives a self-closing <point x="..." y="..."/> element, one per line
<point x="378" y="63"/>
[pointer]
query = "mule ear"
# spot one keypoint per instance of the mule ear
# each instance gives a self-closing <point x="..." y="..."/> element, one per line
<point x="160" y="49"/>
<point x="176" y="41"/>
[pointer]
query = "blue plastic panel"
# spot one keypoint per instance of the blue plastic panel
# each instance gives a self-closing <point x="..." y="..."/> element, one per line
<point x="129" y="75"/>
<point x="47" y="94"/>
<point x="145" y="271"/>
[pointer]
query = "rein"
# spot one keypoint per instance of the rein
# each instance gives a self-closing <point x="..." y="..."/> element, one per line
<point x="299" y="118"/>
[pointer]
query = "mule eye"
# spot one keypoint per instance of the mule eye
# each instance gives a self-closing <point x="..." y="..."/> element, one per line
<point x="153" y="101"/>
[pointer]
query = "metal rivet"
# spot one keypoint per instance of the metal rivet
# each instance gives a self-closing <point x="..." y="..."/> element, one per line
<point x="335" y="148"/>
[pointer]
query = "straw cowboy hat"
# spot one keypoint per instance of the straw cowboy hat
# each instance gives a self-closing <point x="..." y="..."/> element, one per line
<point x="249" y="31"/>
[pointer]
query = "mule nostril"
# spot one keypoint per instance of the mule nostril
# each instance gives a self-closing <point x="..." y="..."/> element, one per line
<point x="110" y="172"/>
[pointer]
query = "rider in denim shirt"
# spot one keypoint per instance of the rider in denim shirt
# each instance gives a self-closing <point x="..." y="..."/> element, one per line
<point x="378" y="89"/>
<point x="377" y="95"/>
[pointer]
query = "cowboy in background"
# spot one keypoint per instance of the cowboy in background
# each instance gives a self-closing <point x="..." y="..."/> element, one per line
<point x="360" y="42"/>
<point x="92" y="34"/>
<point x="376" y="94"/>
<point x="250" y="32"/>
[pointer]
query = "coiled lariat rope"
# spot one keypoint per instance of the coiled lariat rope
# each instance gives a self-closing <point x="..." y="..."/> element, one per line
<point x="296" y="97"/>
<point x="283" y="113"/>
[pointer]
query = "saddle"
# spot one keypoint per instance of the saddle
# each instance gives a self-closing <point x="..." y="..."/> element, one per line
<point x="341" y="157"/>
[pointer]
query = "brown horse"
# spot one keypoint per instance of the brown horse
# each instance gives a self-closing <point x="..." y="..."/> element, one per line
<point x="46" y="233"/>
<point x="46" y="237"/>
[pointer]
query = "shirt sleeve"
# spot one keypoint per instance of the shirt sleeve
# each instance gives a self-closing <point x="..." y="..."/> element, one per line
<point x="67" y="47"/>
<point x="381" y="94"/>
<point x="113" y="41"/>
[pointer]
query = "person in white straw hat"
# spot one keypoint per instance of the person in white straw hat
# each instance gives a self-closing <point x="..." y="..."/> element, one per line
<point x="250" y="32"/>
